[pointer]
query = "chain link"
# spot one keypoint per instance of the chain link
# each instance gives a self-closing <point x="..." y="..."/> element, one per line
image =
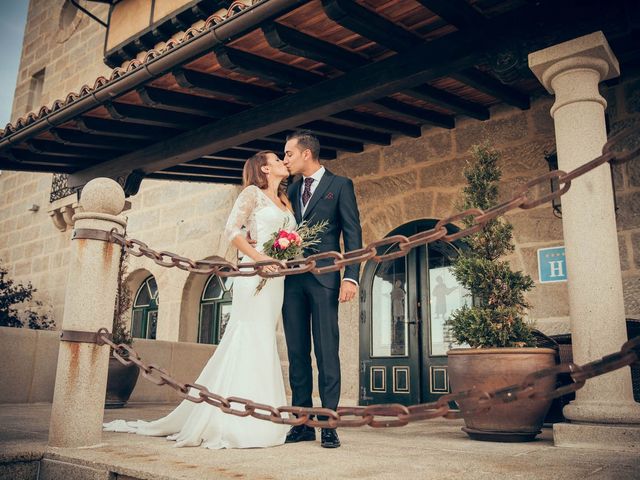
<point x="396" y="246"/>
<point x="534" y="385"/>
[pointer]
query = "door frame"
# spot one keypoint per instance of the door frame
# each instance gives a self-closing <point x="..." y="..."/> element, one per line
<point x="418" y="311"/>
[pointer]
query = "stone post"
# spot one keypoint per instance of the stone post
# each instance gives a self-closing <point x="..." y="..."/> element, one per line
<point x="572" y="71"/>
<point x="81" y="377"/>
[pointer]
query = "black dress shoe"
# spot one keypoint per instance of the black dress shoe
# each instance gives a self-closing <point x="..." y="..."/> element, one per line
<point x="301" y="433"/>
<point x="329" y="438"/>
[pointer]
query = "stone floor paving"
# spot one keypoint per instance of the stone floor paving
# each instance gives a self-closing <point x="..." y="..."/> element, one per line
<point x="435" y="449"/>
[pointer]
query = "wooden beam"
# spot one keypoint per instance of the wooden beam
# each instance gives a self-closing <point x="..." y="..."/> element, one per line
<point x="322" y="127"/>
<point x="379" y="123"/>
<point x="154" y="116"/>
<point x="457" y="13"/>
<point x="422" y="115"/>
<point x="190" y="104"/>
<point x="219" y="164"/>
<point x="277" y="146"/>
<point x="47" y="147"/>
<point x="203" y="171"/>
<point x="302" y="45"/>
<point x="261" y="144"/>
<point x="77" y="138"/>
<point x="369" y="24"/>
<point x="7" y="164"/>
<point x="229" y="154"/>
<point x="212" y="84"/>
<point x="492" y="87"/>
<point x="326" y="142"/>
<point x="253" y="65"/>
<point x="444" y="99"/>
<point x="101" y="126"/>
<point x="27" y="157"/>
<point x="365" y="84"/>
<point x="189" y="178"/>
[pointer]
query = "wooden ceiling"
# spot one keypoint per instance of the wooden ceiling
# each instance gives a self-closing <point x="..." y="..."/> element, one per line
<point x="355" y="72"/>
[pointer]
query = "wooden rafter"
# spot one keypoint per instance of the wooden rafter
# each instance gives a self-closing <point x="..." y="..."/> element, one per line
<point x="370" y="25"/>
<point x="489" y="85"/>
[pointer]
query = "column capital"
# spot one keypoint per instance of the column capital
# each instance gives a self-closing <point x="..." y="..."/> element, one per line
<point x="589" y="51"/>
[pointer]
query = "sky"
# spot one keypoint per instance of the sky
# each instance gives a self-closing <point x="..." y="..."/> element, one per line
<point x="13" y="17"/>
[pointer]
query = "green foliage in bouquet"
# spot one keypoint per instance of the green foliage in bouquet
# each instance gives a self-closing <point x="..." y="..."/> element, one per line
<point x="293" y="243"/>
<point x="496" y="318"/>
<point x="303" y="238"/>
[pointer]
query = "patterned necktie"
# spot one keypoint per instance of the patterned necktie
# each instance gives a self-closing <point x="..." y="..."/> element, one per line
<point x="306" y="194"/>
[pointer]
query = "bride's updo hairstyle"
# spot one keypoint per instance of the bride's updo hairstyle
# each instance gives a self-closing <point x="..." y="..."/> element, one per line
<point x="252" y="174"/>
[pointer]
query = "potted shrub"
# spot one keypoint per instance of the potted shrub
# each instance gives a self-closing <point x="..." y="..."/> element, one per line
<point x="121" y="379"/>
<point x="501" y="343"/>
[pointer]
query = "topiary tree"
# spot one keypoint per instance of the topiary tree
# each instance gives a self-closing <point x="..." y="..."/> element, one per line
<point x="12" y="294"/>
<point x="496" y="316"/>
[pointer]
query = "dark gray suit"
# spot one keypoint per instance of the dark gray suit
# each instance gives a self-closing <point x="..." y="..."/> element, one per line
<point x="310" y="307"/>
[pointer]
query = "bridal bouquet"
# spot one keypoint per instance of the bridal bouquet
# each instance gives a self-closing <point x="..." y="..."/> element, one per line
<point x="289" y="244"/>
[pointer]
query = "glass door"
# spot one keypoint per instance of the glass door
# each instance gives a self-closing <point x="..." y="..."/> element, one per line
<point x="404" y="304"/>
<point x="389" y="363"/>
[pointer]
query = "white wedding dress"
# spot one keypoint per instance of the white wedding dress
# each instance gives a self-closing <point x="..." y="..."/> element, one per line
<point x="246" y="362"/>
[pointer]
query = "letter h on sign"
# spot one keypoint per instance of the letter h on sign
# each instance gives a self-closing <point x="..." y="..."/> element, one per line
<point x="551" y="265"/>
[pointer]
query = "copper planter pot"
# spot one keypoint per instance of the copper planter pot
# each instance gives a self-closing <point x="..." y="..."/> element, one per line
<point x="494" y="368"/>
<point x="120" y="383"/>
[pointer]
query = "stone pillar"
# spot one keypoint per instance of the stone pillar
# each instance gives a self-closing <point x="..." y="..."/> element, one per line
<point x="81" y="377"/>
<point x="572" y="71"/>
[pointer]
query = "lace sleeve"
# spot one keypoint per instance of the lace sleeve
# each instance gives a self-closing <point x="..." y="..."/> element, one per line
<point x="243" y="208"/>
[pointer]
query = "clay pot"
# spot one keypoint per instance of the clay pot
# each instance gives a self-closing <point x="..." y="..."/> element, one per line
<point x="493" y="368"/>
<point x="120" y="383"/>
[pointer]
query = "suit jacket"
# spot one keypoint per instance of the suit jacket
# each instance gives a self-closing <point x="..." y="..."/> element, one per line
<point x="333" y="200"/>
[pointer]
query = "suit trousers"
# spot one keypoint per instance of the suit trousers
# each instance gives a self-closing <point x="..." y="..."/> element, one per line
<point x="310" y="312"/>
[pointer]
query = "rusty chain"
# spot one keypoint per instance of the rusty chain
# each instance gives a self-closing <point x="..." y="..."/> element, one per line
<point x="525" y="198"/>
<point x="387" y="415"/>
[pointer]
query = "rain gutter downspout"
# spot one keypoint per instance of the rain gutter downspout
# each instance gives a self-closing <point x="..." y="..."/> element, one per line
<point x="221" y="33"/>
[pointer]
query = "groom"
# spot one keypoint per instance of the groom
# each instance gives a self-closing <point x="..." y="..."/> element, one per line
<point x="310" y="309"/>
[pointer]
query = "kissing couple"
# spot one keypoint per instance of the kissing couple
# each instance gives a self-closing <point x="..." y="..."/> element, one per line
<point x="246" y="362"/>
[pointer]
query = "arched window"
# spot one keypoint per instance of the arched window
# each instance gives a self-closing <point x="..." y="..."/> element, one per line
<point x="215" y="309"/>
<point x="144" y="319"/>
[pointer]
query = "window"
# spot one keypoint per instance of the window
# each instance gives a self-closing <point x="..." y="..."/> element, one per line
<point x="144" y="319"/>
<point x="35" y="91"/>
<point x="215" y="309"/>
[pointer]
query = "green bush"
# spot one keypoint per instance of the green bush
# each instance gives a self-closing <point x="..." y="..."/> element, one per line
<point x="13" y="294"/>
<point x="496" y="316"/>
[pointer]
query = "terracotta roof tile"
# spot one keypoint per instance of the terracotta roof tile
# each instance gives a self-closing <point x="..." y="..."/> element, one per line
<point x="118" y="72"/>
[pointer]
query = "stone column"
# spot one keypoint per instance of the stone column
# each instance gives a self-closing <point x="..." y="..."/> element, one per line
<point x="572" y="71"/>
<point x="81" y="377"/>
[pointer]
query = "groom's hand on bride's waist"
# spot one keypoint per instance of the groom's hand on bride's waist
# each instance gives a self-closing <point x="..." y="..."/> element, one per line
<point x="348" y="290"/>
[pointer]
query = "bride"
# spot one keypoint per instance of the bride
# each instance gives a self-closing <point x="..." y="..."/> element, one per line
<point x="246" y="362"/>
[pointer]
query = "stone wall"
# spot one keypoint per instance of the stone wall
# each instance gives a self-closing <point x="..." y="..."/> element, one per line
<point x="27" y="377"/>
<point x="422" y="178"/>
<point x="624" y="111"/>
<point x="69" y="49"/>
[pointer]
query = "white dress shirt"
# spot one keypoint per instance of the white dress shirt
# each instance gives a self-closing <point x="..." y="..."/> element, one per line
<point x="316" y="181"/>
